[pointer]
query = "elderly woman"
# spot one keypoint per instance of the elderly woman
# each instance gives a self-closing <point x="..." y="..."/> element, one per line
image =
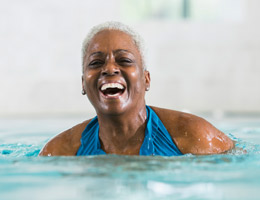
<point x="115" y="81"/>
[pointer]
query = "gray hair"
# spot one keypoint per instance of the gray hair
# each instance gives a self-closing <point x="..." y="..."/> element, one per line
<point x="111" y="25"/>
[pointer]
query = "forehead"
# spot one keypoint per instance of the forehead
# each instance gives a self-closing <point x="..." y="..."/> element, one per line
<point x="108" y="40"/>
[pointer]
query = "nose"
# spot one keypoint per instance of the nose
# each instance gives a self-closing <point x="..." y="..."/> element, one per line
<point x="110" y="69"/>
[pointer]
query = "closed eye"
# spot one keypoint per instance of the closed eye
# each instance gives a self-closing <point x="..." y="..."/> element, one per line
<point x="124" y="61"/>
<point x="96" y="63"/>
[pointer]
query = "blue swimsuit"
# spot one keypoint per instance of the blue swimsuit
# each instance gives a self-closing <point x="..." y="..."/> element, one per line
<point x="157" y="140"/>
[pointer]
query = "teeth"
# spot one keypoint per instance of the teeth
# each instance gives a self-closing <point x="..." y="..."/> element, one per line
<point x="112" y="85"/>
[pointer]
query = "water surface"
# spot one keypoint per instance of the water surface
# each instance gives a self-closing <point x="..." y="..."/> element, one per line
<point x="24" y="175"/>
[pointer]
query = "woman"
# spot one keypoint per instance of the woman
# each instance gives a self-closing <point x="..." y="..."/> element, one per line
<point x="115" y="81"/>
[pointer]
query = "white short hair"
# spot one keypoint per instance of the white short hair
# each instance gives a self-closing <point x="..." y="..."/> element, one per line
<point x="112" y="25"/>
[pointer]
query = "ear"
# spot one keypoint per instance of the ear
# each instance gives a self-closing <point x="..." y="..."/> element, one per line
<point x="147" y="80"/>
<point x="83" y="87"/>
<point x="82" y="82"/>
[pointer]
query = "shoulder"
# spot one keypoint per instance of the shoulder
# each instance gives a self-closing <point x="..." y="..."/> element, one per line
<point x="66" y="143"/>
<point x="193" y="134"/>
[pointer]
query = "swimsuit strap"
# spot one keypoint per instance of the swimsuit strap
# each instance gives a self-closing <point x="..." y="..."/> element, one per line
<point x="90" y="144"/>
<point x="157" y="140"/>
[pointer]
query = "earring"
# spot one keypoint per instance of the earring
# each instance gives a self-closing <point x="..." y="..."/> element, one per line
<point x="83" y="92"/>
<point x="147" y="89"/>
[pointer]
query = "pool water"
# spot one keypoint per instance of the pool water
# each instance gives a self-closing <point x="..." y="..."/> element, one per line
<point x="24" y="175"/>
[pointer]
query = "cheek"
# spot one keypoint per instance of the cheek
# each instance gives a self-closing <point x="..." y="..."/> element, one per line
<point x="90" y="76"/>
<point x="138" y="80"/>
<point x="136" y="73"/>
<point x="89" y="84"/>
<point x="88" y="81"/>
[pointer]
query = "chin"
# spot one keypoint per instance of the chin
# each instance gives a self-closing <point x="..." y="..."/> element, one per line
<point x="111" y="109"/>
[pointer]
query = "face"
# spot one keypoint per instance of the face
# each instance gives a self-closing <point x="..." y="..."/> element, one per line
<point x="113" y="76"/>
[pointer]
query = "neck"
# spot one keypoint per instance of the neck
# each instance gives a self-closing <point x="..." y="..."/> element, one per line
<point x="124" y="133"/>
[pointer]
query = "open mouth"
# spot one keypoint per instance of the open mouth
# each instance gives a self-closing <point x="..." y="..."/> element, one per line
<point x="112" y="89"/>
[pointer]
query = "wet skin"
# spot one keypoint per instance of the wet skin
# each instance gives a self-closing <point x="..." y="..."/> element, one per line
<point x="113" y="58"/>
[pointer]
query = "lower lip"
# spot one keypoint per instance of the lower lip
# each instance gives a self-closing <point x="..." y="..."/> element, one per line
<point x="112" y="96"/>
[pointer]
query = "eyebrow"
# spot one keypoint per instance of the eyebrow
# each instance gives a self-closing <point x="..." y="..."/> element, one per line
<point x="116" y="51"/>
<point x="100" y="53"/>
<point x="96" y="53"/>
<point x="122" y="50"/>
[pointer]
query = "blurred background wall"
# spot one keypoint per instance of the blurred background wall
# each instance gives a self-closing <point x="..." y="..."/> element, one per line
<point x="203" y="55"/>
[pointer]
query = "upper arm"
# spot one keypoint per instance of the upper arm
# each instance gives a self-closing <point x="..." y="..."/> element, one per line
<point x="198" y="136"/>
<point x="48" y="149"/>
<point x="66" y="143"/>
<point x="56" y="146"/>
<point x="193" y="134"/>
